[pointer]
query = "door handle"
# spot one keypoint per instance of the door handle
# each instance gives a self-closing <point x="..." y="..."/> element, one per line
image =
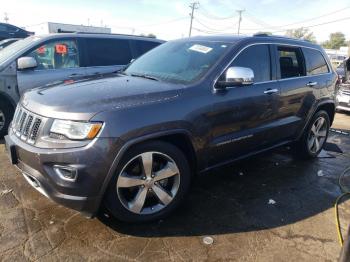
<point x="311" y="84"/>
<point x="270" y="91"/>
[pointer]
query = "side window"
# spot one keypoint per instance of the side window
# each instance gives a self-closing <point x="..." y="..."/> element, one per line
<point x="106" y="52"/>
<point x="56" y="55"/>
<point x="257" y="58"/>
<point x="143" y="46"/>
<point x="291" y="62"/>
<point x="315" y="62"/>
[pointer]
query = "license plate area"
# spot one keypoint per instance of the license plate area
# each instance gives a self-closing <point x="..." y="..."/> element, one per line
<point x="11" y="151"/>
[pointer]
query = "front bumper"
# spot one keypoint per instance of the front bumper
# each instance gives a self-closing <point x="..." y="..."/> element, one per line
<point x="92" y="163"/>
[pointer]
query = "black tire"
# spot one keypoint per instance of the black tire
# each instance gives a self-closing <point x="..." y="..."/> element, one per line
<point x="114" y="204"/>
<point x="7" y="110"/>
<point x="303" y="149"/>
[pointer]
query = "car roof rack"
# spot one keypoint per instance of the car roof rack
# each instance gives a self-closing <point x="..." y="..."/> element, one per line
<point x="100" y="33"/>
<point x="281" y="36"/>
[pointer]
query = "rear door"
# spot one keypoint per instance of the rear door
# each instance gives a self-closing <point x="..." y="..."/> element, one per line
<point x="139" y="47"/>
<point x="106" y="55"/>
<point x="57" y="60"/>
<point x="296" y="96"/>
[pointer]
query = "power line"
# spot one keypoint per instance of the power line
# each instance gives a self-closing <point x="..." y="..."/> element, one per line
<point x="211" y="28"/>
<point x="205" y="12"/>
<point x="320" y="24"/>
<point x="193" y="6"/>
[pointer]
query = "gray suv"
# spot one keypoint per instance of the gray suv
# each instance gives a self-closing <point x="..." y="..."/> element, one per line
<point x="40" y="60"/>
<point x="132" y="141"/>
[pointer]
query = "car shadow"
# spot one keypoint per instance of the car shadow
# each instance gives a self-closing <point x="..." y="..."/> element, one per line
<point x="2" y="141"/>
<point x="266" y="191"/>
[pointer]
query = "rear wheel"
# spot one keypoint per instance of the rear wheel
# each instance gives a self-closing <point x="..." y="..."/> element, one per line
<point x="150" y="182"/>
<point x="6" y="114"/>
<point x="315" y="135"/>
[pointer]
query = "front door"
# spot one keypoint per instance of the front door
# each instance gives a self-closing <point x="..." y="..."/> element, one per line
<point x="243" y="116"/>
<point x="57" y="60"/>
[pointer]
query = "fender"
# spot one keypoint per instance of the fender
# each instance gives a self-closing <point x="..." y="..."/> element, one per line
<point x="315" y="109"/>
<point x="124" y="149"/>
<point x="8" y="98"/>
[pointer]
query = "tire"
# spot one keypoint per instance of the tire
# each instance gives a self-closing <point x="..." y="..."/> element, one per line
<point x="305" y="148"/>
<point x="6" y="115"/>
<point x="120" y="197"/>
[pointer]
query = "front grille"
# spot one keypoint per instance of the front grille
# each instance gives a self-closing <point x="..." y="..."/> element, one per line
<point x="26" y="125"/>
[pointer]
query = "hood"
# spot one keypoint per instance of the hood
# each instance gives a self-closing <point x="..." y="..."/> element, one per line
<point x="86" y="98"/>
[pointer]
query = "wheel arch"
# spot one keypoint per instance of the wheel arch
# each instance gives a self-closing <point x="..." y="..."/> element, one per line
<point x="180" y="137"/>
<point x="6" y="97"/>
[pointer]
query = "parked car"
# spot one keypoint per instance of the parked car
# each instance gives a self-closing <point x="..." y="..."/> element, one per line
<point x="7" y="42"/>
<point x="343" y="98"/>
<point x="39" y="60"/>
<point x="11" y="31"/>
<point x="133" y="142"/>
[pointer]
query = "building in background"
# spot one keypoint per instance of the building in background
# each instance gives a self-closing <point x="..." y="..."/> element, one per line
<point x="49" y="27"/>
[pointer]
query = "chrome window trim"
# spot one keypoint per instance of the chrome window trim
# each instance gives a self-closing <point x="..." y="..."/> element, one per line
<point x="270" y="81"/>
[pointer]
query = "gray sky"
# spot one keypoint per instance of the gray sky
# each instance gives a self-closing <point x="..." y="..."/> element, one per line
<point x="170" y="19"/>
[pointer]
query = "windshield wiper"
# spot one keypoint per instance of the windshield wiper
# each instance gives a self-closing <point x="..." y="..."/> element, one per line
<point x="145" y="76"/>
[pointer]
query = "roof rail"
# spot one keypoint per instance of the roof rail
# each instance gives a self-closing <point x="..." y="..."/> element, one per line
<point x="100" y="33"/>
<point x="281" y="36"/>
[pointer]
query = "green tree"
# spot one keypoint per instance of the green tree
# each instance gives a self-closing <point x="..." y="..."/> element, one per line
<point x="263" y="33"/>
<point x="302" y="33"/>
<point x="336" y="40"/>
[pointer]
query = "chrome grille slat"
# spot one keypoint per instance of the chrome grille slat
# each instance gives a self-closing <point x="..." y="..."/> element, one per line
<point x="26" y="125"/>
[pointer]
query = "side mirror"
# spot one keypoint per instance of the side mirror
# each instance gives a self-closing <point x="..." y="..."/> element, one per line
<point x="236" y="76"/>
<point x="26" y="62"/>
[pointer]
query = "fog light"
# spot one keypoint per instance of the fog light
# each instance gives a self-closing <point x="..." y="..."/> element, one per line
<point x="66" y="173"/>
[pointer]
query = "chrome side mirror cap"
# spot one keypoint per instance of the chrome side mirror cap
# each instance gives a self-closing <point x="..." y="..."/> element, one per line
<point x="236" y="76"/>
<point x="26" y="62"/>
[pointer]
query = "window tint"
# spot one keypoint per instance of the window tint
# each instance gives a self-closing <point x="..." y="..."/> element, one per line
<point x="315" y="62"/>
<point x="56" y="55"/>
<point x="143" y="46"/>
<point x="3" y="27"/>
<point x="105" y="52"/>
<point x="257" y="58"/>
<point x="291" y="62"/>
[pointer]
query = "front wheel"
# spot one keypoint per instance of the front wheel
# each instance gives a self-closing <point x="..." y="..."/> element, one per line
<point x="6" y="114"/>
<point x="151" y="181"/>
<point x="315" y="135"/>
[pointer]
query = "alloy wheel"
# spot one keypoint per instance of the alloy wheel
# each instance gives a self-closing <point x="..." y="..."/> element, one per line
<point x="317" y="135"/>
<point x="148" y="183"/>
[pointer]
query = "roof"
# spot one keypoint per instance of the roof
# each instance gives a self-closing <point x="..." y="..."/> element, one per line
<point x="257" y="38"/>
<point x="100" y="35"/>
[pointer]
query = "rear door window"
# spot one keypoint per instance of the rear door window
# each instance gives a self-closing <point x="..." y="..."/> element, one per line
<point x="58" y="54"/>
<point x="291" y="62"/>
<point x="315" y="62"/>
<point x="141" y="46"/>
<point x="257" y="58"/>
<point x="107" y="52"/>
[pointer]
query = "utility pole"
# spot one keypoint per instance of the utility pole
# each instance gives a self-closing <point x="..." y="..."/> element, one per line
<point x="193" y="6"/>
<point x="6" y="18"/>
<point x="239" y="19"/>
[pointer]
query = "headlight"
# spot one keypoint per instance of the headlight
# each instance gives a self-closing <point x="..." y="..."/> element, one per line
<point x="75" y="130"/>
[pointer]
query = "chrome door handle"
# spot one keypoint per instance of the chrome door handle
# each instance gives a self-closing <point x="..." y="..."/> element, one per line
<point x="311" y="84"/>
<point x="270" y="91"/>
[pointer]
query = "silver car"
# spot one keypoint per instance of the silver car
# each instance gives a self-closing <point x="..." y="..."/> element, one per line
<point x="39" y="60"/>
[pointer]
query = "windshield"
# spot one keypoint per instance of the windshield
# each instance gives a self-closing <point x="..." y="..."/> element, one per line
<point x="16" y="47"/>
<point x="179" y="61"/>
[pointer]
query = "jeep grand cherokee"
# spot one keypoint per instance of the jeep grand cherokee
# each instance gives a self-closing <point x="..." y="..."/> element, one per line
<point x="133" y="141"/>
